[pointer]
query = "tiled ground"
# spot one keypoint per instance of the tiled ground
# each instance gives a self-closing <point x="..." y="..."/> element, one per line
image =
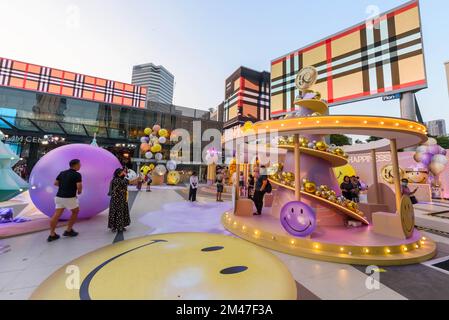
<point x="28" y="260"/>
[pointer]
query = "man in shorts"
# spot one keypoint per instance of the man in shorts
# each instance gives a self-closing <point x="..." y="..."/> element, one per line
<point x="70" y="186"/>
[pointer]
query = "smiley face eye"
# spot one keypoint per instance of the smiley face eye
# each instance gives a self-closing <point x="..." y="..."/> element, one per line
<point x="293" y="210"/>
<point x="234" y="270"/>
<point x="302" y="211"/>
<point x="211" y="249"/>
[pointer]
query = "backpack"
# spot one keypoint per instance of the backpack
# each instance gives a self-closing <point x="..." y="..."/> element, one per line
<point x="268" y="187"/>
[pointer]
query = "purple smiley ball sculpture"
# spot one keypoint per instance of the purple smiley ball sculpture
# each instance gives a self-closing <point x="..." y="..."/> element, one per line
<point x="298" y="219"/>
<point x="97" y="168"/>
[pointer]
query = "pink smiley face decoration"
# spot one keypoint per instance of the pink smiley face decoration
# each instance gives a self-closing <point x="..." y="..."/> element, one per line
<point x="298" y="219"/>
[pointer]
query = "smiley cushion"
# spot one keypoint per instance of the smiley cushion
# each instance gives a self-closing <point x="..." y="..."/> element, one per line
<point x="298" y="219"/>
<point x="179" y="266"/>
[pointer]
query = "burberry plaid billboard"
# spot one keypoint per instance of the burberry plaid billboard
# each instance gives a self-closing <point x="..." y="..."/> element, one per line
<point x="247" y="97"/>
<point x="32" y="77"/>
<point x="379" y="57"/>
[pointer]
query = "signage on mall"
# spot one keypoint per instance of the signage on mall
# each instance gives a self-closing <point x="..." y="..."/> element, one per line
<point x="22" y="139"/>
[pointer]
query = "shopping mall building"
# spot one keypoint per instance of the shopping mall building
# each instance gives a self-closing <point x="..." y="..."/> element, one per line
<point x="42" y="108"/>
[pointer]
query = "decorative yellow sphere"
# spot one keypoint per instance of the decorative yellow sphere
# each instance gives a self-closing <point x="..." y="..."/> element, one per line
<point x="247" y="126"/>
<point x="318" y="193"/>
<point x="173" y="178"/>
<point x="339" y="152"/>
<point x="310" y="187"/>
<point x="148" y="131"/>
<point x="163" y="133"/>
<point x="156" y="148"/>
<point x="321" y="145"/>
<point x="352" y="206"/>
<point x="324" y="188"/>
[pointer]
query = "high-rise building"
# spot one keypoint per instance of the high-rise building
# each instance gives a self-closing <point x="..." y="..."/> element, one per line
<point x="158" y="80"/>
<point x="436" y="128"/>
<point x="247" y="97"/>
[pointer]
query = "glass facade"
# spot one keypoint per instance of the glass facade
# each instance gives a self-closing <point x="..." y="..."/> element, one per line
<point x="26" y="117"/>
<point x="37" y="112"/>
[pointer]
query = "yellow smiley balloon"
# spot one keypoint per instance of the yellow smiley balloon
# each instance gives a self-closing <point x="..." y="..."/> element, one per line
<point x="179" y="266"/>
<point x="342" y="172"/>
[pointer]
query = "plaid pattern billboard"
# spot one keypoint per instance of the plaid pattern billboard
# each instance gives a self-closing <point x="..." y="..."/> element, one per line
<point x="32" y="77"/>
<point x="379" y="57"/>
<point x="247" y="97"/>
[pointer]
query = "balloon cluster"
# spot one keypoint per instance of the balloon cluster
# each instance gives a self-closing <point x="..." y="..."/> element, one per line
<point x="432" y="156"/>
<point x="151" y="147"/>
<point x="212" y="156"/>
<point x="316" y="145"/>
<point x="151" y="143"/>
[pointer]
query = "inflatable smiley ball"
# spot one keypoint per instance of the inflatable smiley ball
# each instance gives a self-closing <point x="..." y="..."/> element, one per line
<point x="97" y="168"/>
<point x="163" y="133"/>
<point x="156" y="128"/>
<point x="148" y="131"/>
<point x="298" y="219"/>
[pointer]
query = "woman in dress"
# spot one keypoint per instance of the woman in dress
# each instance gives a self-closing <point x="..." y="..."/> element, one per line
<point x="119" y="217"/>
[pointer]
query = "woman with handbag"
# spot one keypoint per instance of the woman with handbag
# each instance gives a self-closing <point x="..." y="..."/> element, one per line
<point x="119" y="217"/>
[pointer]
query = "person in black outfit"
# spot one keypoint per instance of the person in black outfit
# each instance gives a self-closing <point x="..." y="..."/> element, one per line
<point x="259" y="192"/>
<point x="69" y="185"/>
<point x="193" y="187"/>
<point x="251" y="182"/>
<point x="119" y="217"/>
<point x="346" y="188"/>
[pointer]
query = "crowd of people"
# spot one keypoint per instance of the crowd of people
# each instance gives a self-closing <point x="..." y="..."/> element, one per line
<point x="351" y="188"/>
<point x="254" y="188"/>
<point x="69" y="183"/>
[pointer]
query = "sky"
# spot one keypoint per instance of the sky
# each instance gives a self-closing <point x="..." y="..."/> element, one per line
<point x="203" y="41"/>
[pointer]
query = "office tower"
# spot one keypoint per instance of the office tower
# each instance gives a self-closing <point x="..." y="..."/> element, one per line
<point x="158" y="80"/>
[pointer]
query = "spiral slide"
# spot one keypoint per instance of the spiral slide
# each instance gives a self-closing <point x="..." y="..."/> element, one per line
<point x="343" y="233"/>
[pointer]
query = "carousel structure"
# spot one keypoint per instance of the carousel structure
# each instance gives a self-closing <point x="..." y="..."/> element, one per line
<point x="306" y="214"/>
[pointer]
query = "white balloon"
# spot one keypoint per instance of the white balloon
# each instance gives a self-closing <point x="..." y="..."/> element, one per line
<point x="162" y="140"/>
<point x="160" y="170"/>
<point x="131" y="175"/>
<point x="158" y="156"/>
<point x="171" y="165"/>
<point x="149" y="155"/>
<point x="431" y="142"/>
<point x="440" y="159"/>
<point x="421" y="149"/>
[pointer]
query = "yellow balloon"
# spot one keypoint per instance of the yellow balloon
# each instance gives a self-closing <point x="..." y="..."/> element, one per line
<point x="163" y="133"/>
<point x="156" y="148"/>
<point x="148" y="131"/>
<point x="173" y="178"/>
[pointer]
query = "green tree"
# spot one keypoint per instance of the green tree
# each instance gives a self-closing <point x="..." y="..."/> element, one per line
<point x="371" y="139"/>
<point x="340" y="140"/>
<point x="443" y="142"/>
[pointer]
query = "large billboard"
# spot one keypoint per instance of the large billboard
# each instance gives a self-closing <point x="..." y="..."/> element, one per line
<point x="375" y="58"/>
<point x="26" y="76"/>
<point x="247" y="97"/>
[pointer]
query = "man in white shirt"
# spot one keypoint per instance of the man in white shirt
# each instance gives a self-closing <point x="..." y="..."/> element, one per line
<point x="193" y="187"/>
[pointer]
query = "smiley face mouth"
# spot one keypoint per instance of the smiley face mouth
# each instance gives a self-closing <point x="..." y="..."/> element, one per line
<point x="296" y="230"/>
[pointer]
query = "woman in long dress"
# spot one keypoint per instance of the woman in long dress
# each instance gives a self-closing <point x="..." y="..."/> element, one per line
<point x="119" y="217"/>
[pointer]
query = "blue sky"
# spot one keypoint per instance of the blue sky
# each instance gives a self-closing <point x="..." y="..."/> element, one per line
<point x="203" y="41"/>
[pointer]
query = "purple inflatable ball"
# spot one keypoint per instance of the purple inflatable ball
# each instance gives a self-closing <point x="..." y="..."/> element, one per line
<point x="97" y="168"/>
<point x="426" y="158"/>
<point x="434" y="149"/>
<point x="298" y="219"/>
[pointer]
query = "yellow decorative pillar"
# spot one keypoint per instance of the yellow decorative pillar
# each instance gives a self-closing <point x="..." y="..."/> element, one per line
<point x="297" y="168"/>
<point x="374" y="174"/>
<point x="396" y="173"/>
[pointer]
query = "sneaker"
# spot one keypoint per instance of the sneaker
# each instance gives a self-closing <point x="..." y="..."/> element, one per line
<point x="53" y="238"/>
<point x="72" y="233"/>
